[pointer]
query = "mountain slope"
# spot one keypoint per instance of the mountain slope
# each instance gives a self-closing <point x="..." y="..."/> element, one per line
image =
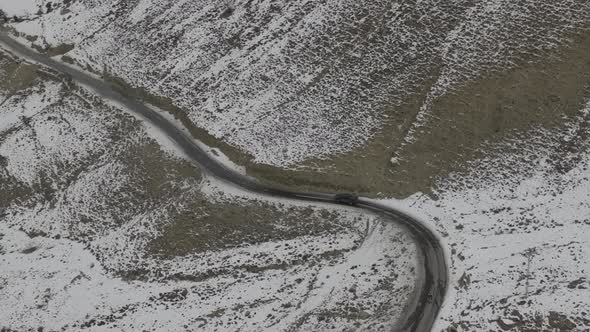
<point x="316" y="93"/>
<point x="103" y="224"/>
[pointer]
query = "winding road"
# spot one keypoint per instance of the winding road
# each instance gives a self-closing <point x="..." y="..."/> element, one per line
<point x="419" y="315"/>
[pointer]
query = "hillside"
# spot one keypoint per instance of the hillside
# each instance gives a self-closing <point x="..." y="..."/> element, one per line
<point x="104" y="224"/>
<point x="315" y="93"/>
<point x="470" y="115"/>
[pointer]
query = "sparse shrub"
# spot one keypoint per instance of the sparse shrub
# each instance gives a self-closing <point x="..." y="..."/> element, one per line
<point x="227" y="12"/>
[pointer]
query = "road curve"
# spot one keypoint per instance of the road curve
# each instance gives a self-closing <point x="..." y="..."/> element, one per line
<point x="421" y="312"/>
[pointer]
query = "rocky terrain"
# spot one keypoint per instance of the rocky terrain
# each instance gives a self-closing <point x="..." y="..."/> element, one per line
<point x="105" y="225"/>
<point x="474" y="112"/>
<point x="519" y="244"/>
<point x="317" y="93"/>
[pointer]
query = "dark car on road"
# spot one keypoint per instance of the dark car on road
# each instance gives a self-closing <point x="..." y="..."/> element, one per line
<point x="346" y="199"/>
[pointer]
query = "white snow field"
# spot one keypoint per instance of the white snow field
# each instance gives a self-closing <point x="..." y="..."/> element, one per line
<point x="25" y="8"/>
<point x="518" y="228"/>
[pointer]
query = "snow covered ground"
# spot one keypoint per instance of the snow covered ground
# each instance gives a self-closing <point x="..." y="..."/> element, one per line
<point x="20" y="7"/>
<point x="518" y="227"/>
<point x="102" y="229"/>
<point x="289" y="81"/>
<point x="59" y="284"/>
<point x="515" y="221"/>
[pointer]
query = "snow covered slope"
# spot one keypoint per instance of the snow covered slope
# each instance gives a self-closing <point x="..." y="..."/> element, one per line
<point x="24" y="8"/>
<point x="334" y="87"/>
<point x="481" y="104"/>
<point x="103" y="228"/>
<point x="518" y="228"/>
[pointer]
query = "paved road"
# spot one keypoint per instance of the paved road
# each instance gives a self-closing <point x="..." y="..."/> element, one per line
<point x="421" y="312"/>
